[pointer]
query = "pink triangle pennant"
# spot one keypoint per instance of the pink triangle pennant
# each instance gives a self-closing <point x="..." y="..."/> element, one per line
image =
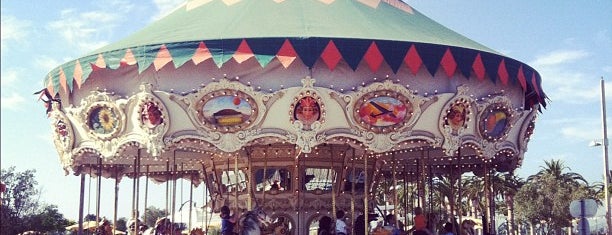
<point x="201" y="54"/>
<point x="286" y="55"/>
<point x="78" y="73"/>
<point x="50" y="86"/>
<point x="99" y="64"/>
<point x="243" y="52"/>
<point x="373" y="57"/>
<point x="63" y="82"/>
<point x="163" y="58"/>
<point x="128" y="59"/>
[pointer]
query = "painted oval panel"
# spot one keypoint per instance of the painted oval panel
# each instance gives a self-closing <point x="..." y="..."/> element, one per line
<point x="494" y="124"/>
<point x="103" y="120"/>
<point x="227" y="110"/>
<point x="151" y="115"/>
<point x="382" y="111"/>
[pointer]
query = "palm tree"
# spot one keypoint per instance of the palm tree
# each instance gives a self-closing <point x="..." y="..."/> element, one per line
<point x="505" y="186"/>
<point x="555" y="169"/>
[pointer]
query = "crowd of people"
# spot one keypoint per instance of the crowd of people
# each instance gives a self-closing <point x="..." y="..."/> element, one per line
<point x="421" y="225"/>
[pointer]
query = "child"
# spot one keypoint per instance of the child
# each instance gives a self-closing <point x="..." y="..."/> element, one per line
<point x="227" y="221"/>
<point x="341" y="228"/>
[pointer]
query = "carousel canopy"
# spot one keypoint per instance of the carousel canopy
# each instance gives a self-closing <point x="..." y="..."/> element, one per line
<point x="379" y="33"/>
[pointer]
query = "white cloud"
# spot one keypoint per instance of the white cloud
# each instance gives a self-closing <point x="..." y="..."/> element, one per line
<point x="13" y="101"/>
<point x="564" y="79"/>
<point x="90" y="30"/>
<point x="9" y="78"/>
<point x="13" y="30"/>
<point x="578" y="133"/>
<point x="46" y="63"/>
<point x="165" y="7"/>
<point x="559" y="57"/>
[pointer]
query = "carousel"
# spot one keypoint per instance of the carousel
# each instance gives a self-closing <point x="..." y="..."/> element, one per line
<point x="301" y="108"/>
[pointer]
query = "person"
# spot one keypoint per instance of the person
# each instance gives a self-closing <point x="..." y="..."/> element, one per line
<point x="420" y="223"/>
<point x="360" y="225"/>
<point x="275" y="185"/>
<point x="341" y="228"/>
<point x="227" y="221"/>
<point x="325" y="226"/>
<point x="448" y="229"/>
<point x="467" y="227"/>
<point x="391" y="225"/>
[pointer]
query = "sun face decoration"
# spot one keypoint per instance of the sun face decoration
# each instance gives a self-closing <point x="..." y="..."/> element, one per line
<point x="307" y="110"/>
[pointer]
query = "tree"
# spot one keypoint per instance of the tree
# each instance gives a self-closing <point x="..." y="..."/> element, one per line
<point x="19" y="200"/>
<point x="21" y="195"/>
<point x="21" y="210"/>
<point x="48" y="220"/>
<point x="91" y="217"/>
<point x="152" y="214"/>
<point x="545" y="197"/>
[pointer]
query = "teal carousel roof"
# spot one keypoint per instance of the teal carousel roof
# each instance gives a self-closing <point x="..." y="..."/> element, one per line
<point x="372" y="31"/>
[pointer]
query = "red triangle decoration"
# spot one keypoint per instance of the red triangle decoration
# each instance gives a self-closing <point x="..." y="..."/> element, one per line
<point x="286" y="55"/>
<point x="502" y="72"/>
<point x="331" y="55"/>
<point x="78" y="73"/>
<point x="478" y="67"/>
<point x="163" y="58"/>
<point x="413" y="60"/>
<point x="534" y="83"/>
<point x="448" y="63"/>
<point x="330" y="51"/>
<point x="243" y="52"/>
<point x="373" y="57"/>
<point x="521" y="78"/>
<point x="201" y="54"/>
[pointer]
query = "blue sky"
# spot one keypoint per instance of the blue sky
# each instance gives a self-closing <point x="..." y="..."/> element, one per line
<point x="568" y="42"/>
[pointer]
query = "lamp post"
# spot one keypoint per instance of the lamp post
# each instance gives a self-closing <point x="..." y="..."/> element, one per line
<point x="604" y="143"/>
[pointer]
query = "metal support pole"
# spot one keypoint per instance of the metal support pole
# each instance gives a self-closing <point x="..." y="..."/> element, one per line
<point x="605" y="155"/>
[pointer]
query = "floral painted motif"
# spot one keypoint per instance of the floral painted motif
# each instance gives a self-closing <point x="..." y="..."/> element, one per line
<point x="61" y="130"/>
<point x="103" y="120"/>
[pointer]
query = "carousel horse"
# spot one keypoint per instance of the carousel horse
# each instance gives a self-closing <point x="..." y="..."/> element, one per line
<point x="196" y="231"/>
<point x="104" y="228"/>
<point x="252" y="222"/>
<point x="163" y="226"/>
<point x="141" y="227"/>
